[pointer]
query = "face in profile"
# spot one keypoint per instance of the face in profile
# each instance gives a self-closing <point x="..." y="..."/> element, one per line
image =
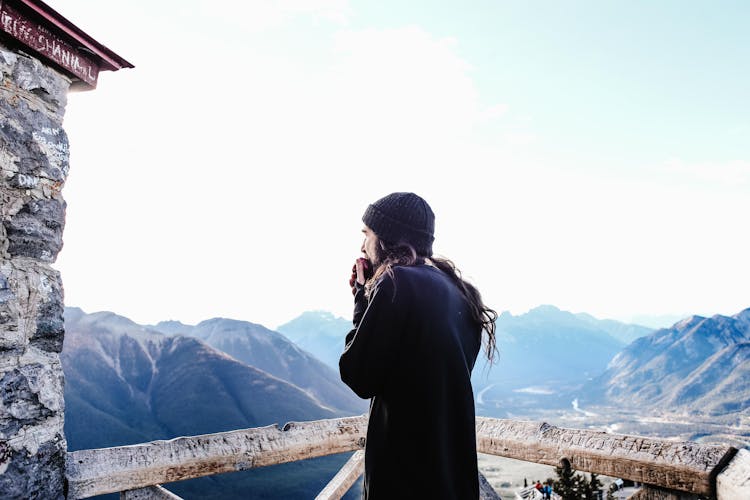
<point x="370" y="245"/>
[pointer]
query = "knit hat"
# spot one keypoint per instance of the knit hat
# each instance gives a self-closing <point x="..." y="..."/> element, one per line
<point x="402" y="217"/>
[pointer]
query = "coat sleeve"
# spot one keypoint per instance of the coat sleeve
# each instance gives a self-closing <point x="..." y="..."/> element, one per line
<point x="372" y="346"/>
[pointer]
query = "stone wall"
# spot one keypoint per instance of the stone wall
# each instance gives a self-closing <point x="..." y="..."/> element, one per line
<point x="33" y="169"/>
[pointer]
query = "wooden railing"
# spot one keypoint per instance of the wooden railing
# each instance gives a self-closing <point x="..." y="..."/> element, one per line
<point x="667" y="469"/>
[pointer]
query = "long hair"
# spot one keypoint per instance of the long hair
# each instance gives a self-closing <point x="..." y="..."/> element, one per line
<point x="391" y="255"/>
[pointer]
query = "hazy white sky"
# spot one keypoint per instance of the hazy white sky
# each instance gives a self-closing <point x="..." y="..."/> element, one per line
<point x="590" y="155"/>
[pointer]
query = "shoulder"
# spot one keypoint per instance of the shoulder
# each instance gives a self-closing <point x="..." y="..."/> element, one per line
<point x="421" y="276"/>
<point x="406" y="277"/>
<point x="417" y="272"/>
<point x="413" y="280"/>
<point x="402" y="280"/>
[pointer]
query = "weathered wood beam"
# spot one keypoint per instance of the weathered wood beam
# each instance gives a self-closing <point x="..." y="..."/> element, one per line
<point x="155" y="492"/>
<point x="655" y="493"/>
<point x="344" y="478"/>
<point x="109" y="470"/>
<point x="684" y="465"/>
<point x="734" y="481"/>
<point x="353" y="469"/>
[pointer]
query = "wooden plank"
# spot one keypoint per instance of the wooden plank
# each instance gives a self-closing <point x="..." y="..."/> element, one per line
<point x="345" y="478"/>
<point x="155" y="492"/>
<point x="734" y="481"/>
<point x="109" y="470"/>
<point x="655" y="493"/>
<point x="679" y="465"/>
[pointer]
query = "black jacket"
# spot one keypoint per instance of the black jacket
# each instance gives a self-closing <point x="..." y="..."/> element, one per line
<point x="412" y="351"/>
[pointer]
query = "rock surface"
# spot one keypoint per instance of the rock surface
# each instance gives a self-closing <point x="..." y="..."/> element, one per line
<point x="33" y="168"/>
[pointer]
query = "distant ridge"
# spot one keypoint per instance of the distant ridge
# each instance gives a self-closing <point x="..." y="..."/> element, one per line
<point x="547" y="344"/>
<point x="319" y="332"/>
<point x="272" y="352"/>
<point x="624" y="332"/>
<point x="698" y="365"/>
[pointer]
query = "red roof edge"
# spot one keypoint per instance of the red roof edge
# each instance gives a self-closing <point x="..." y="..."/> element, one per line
<point x="109" y="60"/>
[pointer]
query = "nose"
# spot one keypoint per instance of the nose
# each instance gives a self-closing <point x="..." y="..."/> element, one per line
<point x="362" y="248"/>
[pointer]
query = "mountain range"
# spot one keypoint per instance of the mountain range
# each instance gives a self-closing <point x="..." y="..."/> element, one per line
<point x="541" y="354"/>
<point x="697" y="365"/>
<point x="273" y="353"/>
<point x="126" y="383"/>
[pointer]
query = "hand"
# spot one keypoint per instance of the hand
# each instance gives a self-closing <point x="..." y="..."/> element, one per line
<point x="360" y="271"/>
<point x="353" y="279"/>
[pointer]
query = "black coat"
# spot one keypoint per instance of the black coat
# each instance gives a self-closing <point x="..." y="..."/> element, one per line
<point x="412" y="351"/>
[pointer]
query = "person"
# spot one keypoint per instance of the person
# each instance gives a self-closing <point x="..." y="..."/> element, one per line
<point x="547" y="492"/>
<point x="417" y="333"/>
<point x="540" y="489"/>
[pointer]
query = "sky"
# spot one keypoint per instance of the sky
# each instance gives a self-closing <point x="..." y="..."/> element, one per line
<point x="590" y="155"/>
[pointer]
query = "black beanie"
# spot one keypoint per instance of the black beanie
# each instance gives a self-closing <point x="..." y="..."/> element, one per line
<point x="402" y="217"/>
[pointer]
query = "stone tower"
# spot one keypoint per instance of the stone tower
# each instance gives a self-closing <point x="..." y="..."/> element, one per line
<point x="42" y="55"/>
